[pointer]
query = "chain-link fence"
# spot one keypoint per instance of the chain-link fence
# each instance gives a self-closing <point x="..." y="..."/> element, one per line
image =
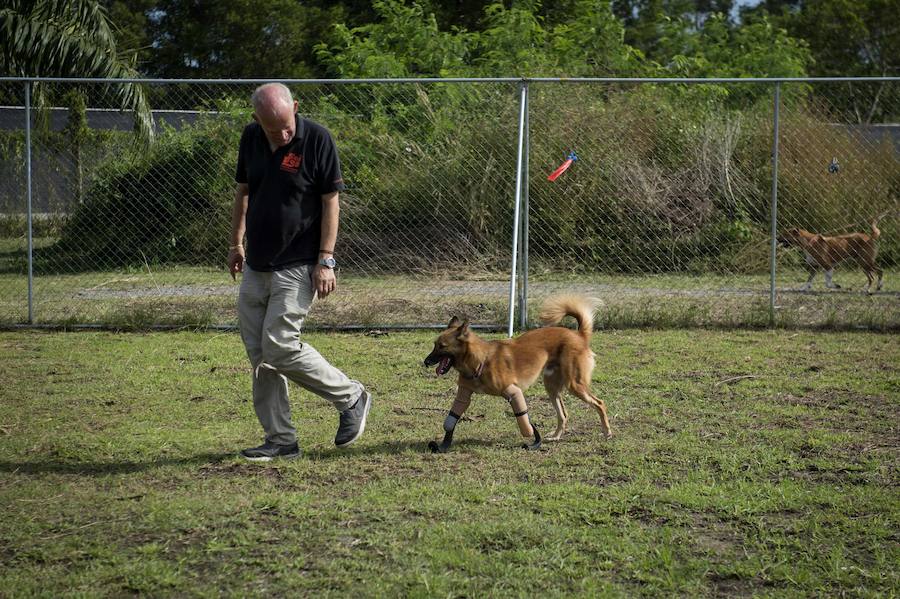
<point x="665" y="216"/>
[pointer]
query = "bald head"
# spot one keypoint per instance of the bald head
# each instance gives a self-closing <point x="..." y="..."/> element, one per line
<point x="270" y="96"/>
<point x="273" y="109"/>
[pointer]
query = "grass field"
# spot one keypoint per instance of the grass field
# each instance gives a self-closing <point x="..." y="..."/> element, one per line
<point x="744" y="463"/>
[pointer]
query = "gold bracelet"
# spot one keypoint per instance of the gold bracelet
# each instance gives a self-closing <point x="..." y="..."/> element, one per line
<point x="234" y="247"/>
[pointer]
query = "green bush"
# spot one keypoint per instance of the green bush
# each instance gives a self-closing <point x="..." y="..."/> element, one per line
<point x="669" y="179"/>
<point x="169" y="203"/>
<point x="45" y="225"/>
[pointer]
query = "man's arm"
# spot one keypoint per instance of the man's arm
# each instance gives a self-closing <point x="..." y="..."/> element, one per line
<point x="323" y="277"/>
<point x="238" y="226"/>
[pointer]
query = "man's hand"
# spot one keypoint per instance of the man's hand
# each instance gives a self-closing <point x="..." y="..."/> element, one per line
<point x="323" y="280"/>
<point x="235" y="261"/>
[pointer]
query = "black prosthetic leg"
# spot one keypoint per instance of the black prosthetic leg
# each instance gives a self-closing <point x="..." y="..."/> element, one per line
<point x="449" y="427"/>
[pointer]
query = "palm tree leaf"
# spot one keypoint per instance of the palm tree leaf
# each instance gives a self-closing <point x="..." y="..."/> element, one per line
<point x="69" y="38"/>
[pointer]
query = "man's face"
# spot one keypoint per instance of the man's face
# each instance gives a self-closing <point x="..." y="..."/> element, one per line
<point x="278" y="123"/>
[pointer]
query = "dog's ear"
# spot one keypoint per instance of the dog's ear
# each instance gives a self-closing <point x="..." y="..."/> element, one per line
<point x="454" y="322"/>
<point x="463" y="331"/>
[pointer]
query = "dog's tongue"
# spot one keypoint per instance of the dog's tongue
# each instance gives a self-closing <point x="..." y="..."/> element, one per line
<point x="442" y="366"/>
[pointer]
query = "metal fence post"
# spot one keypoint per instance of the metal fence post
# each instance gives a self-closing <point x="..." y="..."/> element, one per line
<point x="773" y="213"/>
<point x="523" y="289"/>
<point x="518" y="201"/>
<point x="28" y="200"/>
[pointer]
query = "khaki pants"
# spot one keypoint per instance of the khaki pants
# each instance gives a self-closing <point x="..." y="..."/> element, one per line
<point x="271" y="309"/>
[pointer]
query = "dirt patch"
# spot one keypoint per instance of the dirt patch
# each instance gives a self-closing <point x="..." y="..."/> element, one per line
<point x="715" y="537"/>
<point x="730" y="585"/>
<point x="240" y="469"/>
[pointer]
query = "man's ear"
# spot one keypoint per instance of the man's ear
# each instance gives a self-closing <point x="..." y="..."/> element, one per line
<point x="454" y="322"/>
<point x="255" y="118"/>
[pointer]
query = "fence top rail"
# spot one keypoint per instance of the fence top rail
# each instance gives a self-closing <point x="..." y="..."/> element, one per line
<point x="669" y="80"/>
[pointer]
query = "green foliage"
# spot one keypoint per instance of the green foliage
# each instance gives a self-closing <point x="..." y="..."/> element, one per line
<point x="513" y="42"/>
<point x="15" y="226"/>
<point x="759" y="49"/>
<point x="677" y="166"/>
<point x="236" y="38"/>
<point x="67" y="38"/>
<point x="847" y="38"/>
<point x="591" y="43"/>
<point x="168" y="204"/>
<point x="131" y="29"/>
<point x="674" y="174"/>
<point x="76" y="129"/>
<point x="406" y="41"/>
<point x="412" y="169"/>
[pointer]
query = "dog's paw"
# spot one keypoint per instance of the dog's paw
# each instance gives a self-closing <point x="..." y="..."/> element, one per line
<point x="435" y="448"/>
<point x="557" y="435"/>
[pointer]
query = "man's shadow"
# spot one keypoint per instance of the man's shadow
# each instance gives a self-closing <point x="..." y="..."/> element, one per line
<point x="105" y="468"/>
<point x="201" y="459"/>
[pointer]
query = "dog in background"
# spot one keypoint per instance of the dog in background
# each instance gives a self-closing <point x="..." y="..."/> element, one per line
<point x="508" y="367"/>
<point x="824" y="253"/>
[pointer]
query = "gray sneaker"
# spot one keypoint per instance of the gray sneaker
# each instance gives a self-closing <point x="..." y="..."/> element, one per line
<point x="269" y="451"/>
<point x="353" y="421"/>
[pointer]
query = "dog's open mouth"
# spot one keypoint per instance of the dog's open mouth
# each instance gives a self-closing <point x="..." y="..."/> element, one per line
<point x="443" y="366"/>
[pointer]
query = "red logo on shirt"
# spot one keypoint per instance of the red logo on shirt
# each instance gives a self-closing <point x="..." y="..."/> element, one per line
<point x="291" y="162"/>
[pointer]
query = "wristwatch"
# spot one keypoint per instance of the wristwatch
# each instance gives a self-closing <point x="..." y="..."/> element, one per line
<point x="328" y="262"/>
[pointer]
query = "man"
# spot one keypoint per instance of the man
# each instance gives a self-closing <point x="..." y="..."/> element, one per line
<point x="288" y="180"/>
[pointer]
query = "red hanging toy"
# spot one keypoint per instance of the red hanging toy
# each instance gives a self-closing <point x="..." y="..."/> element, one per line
<point x="563" y="167"/>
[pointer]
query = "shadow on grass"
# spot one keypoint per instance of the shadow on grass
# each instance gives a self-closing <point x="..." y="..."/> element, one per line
<point x="393" y="447"/>
<point x="129" y="467"/>
<point x="104" y="468"/>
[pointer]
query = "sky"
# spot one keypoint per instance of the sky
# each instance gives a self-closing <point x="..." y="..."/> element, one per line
<point x="739" y="3"/>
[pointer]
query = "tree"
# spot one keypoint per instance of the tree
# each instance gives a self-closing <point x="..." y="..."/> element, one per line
<point x="775" y="8"/>
<point x="130" y="26"/>
<point x="67" y="38"/>
<point x="236" y="38"/>
<point x="408" y="41"/>
<point x="757" y="49"/>
<point x="846" y="38"/>
<point x="514" y="42"/>
<point x="405" y="41"/>
<point x="649" y="23"/>
<point x="591" y="43"/>
<point x="854" y="38"/>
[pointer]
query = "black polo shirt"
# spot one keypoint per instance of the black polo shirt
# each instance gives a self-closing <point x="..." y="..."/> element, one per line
<point x="284" y="211"/>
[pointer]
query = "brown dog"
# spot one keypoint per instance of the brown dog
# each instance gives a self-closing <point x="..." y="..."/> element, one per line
<point x="508" y="367"/>
<point x="824" y="253"/>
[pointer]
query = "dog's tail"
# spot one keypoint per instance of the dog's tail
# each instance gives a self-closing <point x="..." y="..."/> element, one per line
<point x="875" y="232"/>
<point x="580" y="308"/>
